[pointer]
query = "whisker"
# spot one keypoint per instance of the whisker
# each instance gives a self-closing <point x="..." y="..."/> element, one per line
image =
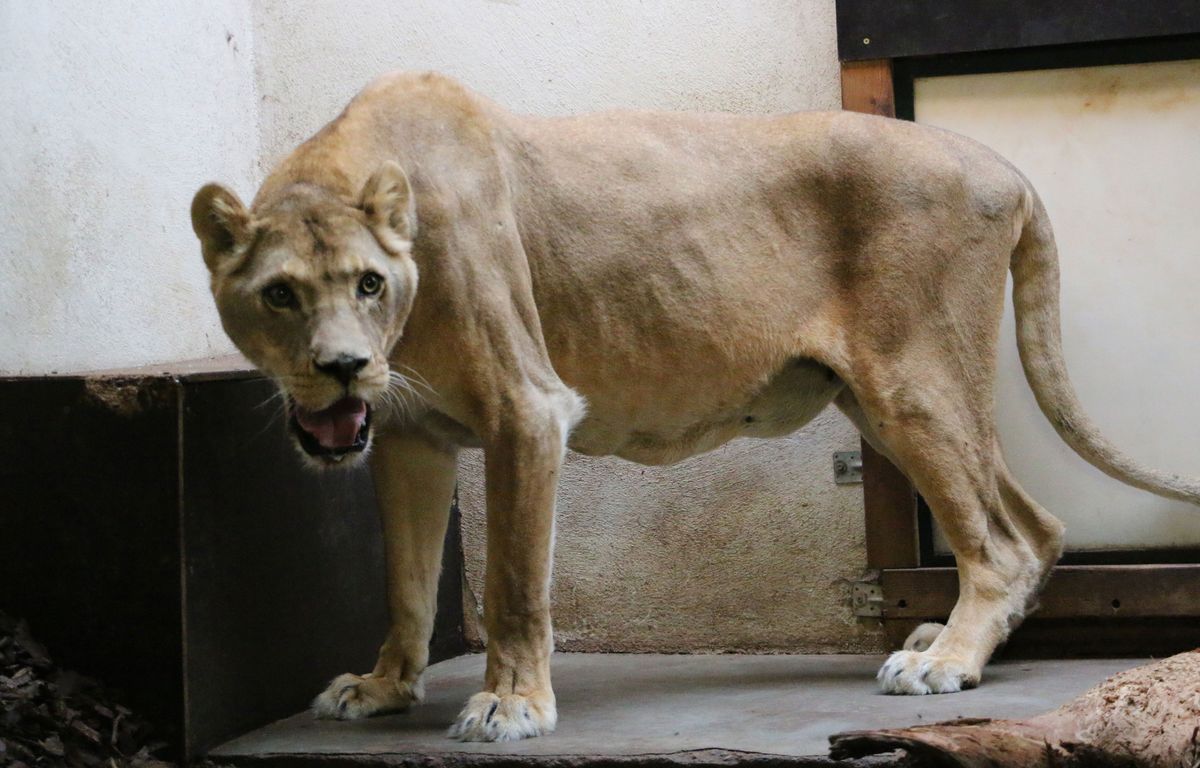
<point x="395" y="403"/>
<point x="277" y="395"/>
<point x="279" y="412"/>
<point x="402" y="382"/>
<point x="401" y="394"/>
<point x="419" y="379"/>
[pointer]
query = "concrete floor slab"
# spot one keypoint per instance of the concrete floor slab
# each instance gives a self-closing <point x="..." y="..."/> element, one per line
<point x="699" y="709"/>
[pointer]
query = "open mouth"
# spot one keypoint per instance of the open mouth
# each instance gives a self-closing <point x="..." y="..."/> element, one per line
<point x="332" y="433"/>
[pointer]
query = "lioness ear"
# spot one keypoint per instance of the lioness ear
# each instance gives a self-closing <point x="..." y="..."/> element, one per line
<point x="221" y="222"/>
<point x="391" y="209"/>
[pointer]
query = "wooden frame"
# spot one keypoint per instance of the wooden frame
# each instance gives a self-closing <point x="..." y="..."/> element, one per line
<point x="1132" y="608"/>
<point x="885" y="29"/>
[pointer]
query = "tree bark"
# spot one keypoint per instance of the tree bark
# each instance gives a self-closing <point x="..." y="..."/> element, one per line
<point x="1148" y="717"/>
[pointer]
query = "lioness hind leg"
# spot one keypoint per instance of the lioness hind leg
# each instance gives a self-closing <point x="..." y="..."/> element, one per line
<point x="414" y="483"/>
<point x="1040" y="530"/>
<point x="945" y="444"/>
<point x="923" y="636"/>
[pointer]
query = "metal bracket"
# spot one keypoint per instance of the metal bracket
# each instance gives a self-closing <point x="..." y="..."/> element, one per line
<point x="847" y="467"/>
<point x="866" y="597"/>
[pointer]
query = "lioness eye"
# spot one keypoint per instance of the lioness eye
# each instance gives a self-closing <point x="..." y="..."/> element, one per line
<point x="370" y="284"/>
<point x="279" y="296"/>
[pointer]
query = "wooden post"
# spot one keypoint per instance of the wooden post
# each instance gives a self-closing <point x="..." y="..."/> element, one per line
<point x="867" y="87"/>
<point x="889" y="499"/>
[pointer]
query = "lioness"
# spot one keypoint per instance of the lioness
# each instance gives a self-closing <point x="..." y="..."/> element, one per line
<point x="430" y="271"/>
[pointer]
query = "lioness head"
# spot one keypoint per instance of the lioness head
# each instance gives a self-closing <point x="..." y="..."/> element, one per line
<point x="314" y="290"/>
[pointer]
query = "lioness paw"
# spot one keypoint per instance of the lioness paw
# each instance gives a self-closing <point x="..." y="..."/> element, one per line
<point x="923" y="636"/>
<point x="350" y="697"/>
<point x="914" y="673"/>
<point x="488" y="717"/>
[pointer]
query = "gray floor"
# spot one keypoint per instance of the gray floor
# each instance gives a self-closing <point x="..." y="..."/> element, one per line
<point x="637" y="705"/>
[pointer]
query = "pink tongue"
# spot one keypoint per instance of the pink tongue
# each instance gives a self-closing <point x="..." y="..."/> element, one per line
<point x="338" y="425"/>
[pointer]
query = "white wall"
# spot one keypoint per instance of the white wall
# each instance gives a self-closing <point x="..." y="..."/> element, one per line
<point x="1113" y="153"/>
<point x="547" y="56"/>
<point x="111" y="116"/>
<point x="748" y="547"/>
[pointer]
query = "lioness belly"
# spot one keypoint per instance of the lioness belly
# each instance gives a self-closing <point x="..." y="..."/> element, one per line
<point x="669" y="431"/>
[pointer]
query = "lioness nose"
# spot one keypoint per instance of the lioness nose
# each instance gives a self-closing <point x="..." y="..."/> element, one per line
<point x="343" y="367"/>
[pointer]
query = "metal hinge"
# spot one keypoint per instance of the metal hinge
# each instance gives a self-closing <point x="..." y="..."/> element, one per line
<point x="866" y="596"/>
<point x="847" y="467"/>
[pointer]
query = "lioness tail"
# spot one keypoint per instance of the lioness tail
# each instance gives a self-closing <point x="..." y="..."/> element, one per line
<point x="1039" y="339"/>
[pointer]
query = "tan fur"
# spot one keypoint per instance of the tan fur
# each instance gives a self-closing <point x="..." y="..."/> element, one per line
<point x="650" y="286"/>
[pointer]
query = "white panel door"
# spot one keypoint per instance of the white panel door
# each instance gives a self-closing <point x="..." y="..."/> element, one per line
<point x="1115" y="154"/>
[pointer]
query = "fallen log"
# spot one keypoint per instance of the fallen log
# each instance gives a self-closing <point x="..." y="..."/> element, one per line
<point x="1145" y="717"/>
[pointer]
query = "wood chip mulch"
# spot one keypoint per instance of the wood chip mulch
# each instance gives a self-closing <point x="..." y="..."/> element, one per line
<point x="55" y="717"/>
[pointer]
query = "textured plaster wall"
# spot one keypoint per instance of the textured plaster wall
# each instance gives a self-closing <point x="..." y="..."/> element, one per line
<point x="749" y="547"/>
<point x="746" y="548"/>
<point x="111" y="115"/>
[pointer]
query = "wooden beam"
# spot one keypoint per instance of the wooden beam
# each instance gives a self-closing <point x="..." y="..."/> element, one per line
<point x="1073" y="591"/>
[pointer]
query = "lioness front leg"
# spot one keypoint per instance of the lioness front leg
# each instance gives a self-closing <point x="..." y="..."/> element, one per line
<point x="521" y="471"/>
<point x="414" y="484"/>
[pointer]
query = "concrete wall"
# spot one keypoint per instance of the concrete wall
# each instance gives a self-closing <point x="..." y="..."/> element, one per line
<point x="746" y="548"/>
<point x="111" y="115"/>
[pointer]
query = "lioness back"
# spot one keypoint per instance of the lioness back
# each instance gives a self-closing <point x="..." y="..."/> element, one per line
<point x="664" y="249"/>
